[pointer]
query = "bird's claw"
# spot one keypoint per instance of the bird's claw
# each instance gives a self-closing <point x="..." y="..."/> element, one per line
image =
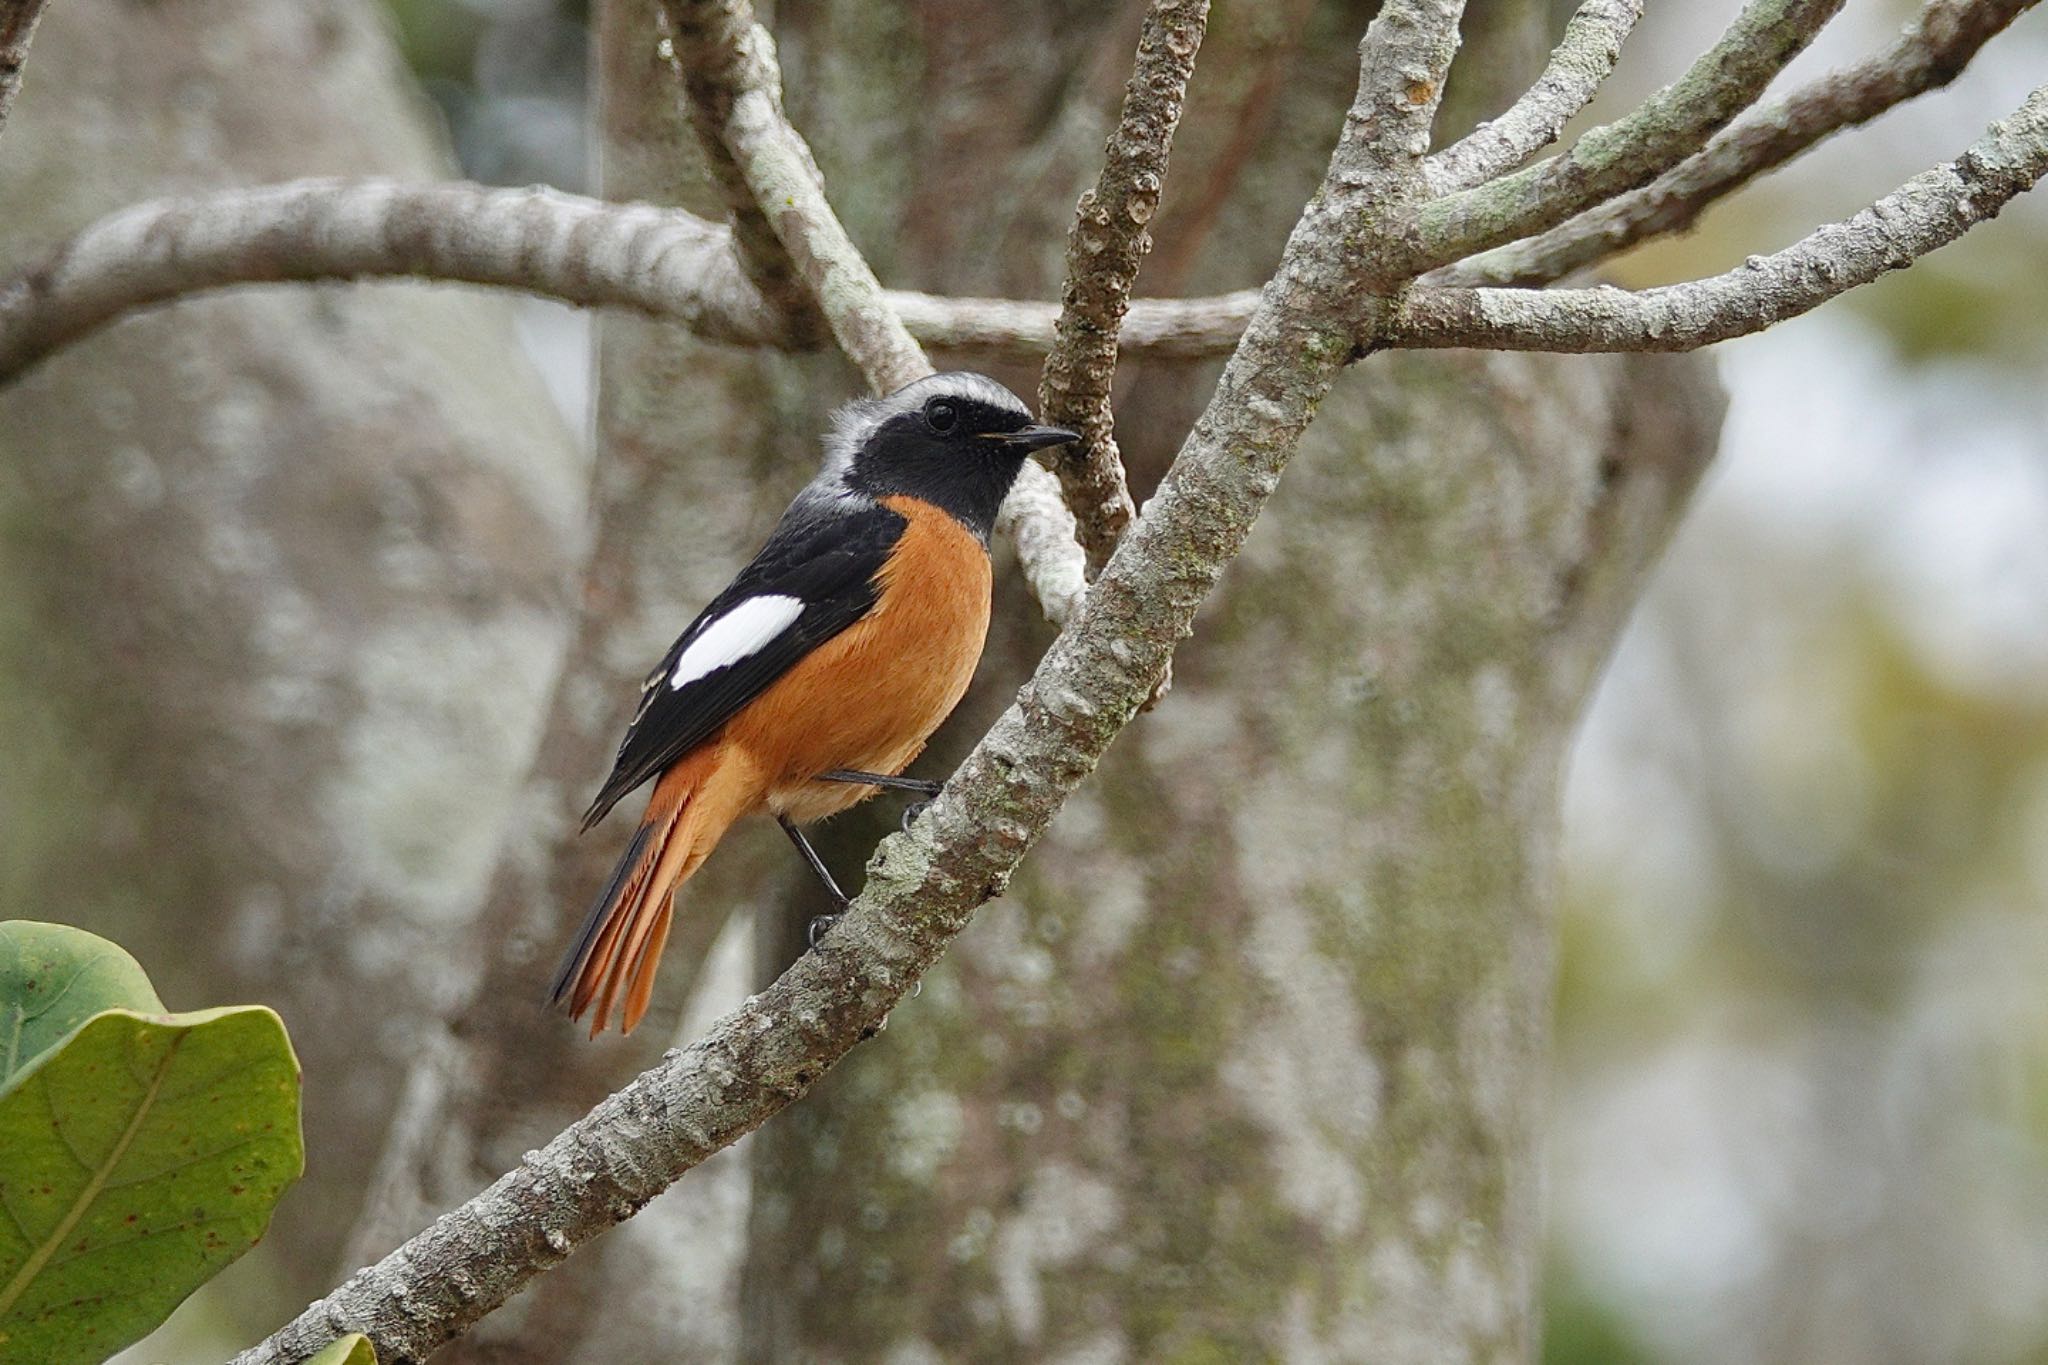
<point x="912" y="811"/>
<point x="820" y="926"/>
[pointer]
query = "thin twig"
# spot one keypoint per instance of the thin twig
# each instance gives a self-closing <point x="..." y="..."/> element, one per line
<point x="1929" y="54"/>
<point x="1922" y="215"/>
<point x="1582" y="60"/>
<point x="1616" y="157"/>
<point x="1108" y="240"/>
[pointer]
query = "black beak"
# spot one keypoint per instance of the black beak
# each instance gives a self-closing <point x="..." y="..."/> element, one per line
<point x="1031" y="440"/>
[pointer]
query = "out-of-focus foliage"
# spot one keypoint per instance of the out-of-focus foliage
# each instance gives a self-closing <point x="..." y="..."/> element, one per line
<point x="140" y="1152"/>
<point x="353" y="1349"/>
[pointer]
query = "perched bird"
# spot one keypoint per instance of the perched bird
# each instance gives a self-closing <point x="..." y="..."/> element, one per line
<point x="816" y="677"/>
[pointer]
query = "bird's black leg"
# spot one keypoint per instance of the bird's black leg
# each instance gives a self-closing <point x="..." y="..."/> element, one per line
<point x="820" y="926"/>
<point x="923" y="786"/>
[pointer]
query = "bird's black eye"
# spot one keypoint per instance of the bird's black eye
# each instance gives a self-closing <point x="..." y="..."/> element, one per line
<point x="941" y="416"/>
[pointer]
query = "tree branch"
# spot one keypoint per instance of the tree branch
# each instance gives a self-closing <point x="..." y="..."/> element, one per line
<point x="17" y="26"/>
<point x="1584" y="57"/>
<point x="719" y="53"/>
<point x="1927" y="212"/>
<point x="779" y="173"/>
<point x="922" y="884"/>
<point x="1930" y="53"/>
<point x="1108" y="240"/>
<point x="580" y="251"/>
<point x="1669" y="126"/>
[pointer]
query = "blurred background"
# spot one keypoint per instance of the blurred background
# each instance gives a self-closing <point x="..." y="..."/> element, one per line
<point x="1801" y="1105"/>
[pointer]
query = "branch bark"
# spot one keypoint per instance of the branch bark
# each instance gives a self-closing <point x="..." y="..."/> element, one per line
<point x="661" y="261"/>
<point x="1108" y="240"/>
<point x="1669" y="126"/>
<point x="719" y="55"/>
<point x="1584" y="58"/>
<point x="1924" y="214"/>
<point x="1930" y="53"/>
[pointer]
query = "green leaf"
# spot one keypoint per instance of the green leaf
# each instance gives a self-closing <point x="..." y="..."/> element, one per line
<point x="353" y="1349"/>
<point x="137" y="1158"/>
<point x="52" y="979"/>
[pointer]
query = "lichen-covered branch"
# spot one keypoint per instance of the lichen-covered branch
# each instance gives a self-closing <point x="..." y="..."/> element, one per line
<point x="1634" y="150"/>
<point x="1584" y="57"/>
<point x="718" y="53"/>
<point x="924" y="883"/>
<point x="778" y="171"/>
<point x="1928" y="54"/>
<point x="1109" y="238"/>
<point x="579" y="250"/>
<point x="17" y="27"/>
<point x="1927" y="212"/>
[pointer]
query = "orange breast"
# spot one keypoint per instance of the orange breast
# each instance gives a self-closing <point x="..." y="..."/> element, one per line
<point x="871" y="696"/>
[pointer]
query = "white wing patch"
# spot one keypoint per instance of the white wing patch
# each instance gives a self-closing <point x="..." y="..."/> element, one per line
<point x="743" y="630"/>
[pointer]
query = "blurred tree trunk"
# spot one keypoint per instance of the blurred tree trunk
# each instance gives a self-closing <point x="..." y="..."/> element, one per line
<point x="1250" y="1062"/>
<point x="286" y="570"/>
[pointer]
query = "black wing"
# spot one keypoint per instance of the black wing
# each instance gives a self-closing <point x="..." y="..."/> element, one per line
<point x="828" y="562"/>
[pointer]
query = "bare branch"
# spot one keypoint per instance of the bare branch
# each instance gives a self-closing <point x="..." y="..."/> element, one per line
<point x="1930" y="53"/>
<point x="777" y="169"/>
<point x="1182" y="329"/>
<point x="1108" y="240"/>
<point x="923" y="884"/>
<point x="661" y="260"/>
<point x="581" y="251"/>
<point x="1927" y="212"/>
<point x="17" y="26"/>
<point x="1582" y="60"/>
<point x="718" y="53"/>
<point x="1619" y="156"/>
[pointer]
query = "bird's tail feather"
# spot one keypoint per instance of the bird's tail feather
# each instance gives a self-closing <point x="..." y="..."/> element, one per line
<point x="619" y="946"/>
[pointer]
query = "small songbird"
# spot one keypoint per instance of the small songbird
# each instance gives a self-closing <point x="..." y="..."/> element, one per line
<point x="816" y="677"/>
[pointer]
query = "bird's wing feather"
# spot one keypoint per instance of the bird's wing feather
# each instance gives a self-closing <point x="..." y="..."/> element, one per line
<point x="813" y="579"/>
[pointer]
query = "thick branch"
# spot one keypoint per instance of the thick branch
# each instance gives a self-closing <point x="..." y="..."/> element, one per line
<point x="922" y="884"/>
<point x="1582" y="60"/>
<point x="1108" y="240"/>
<point x="1927" y="212"/>
<point x="17" y="27"/>
<point x="1614" y="158"/>
<point x="1928" y="54"/>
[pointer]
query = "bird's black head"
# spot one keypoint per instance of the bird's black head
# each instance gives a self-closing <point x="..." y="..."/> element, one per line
<point x="955" y="440"/>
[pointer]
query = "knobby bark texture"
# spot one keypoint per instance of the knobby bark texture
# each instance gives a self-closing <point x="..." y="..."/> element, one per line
<point x="1246" y="1064"/>
<point x="287" y="571"/>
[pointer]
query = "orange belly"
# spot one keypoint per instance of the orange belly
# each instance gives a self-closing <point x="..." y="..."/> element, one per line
<point x="871" y="696"/>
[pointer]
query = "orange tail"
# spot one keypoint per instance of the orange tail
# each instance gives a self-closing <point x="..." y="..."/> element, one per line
<point x="619" y="946"/>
